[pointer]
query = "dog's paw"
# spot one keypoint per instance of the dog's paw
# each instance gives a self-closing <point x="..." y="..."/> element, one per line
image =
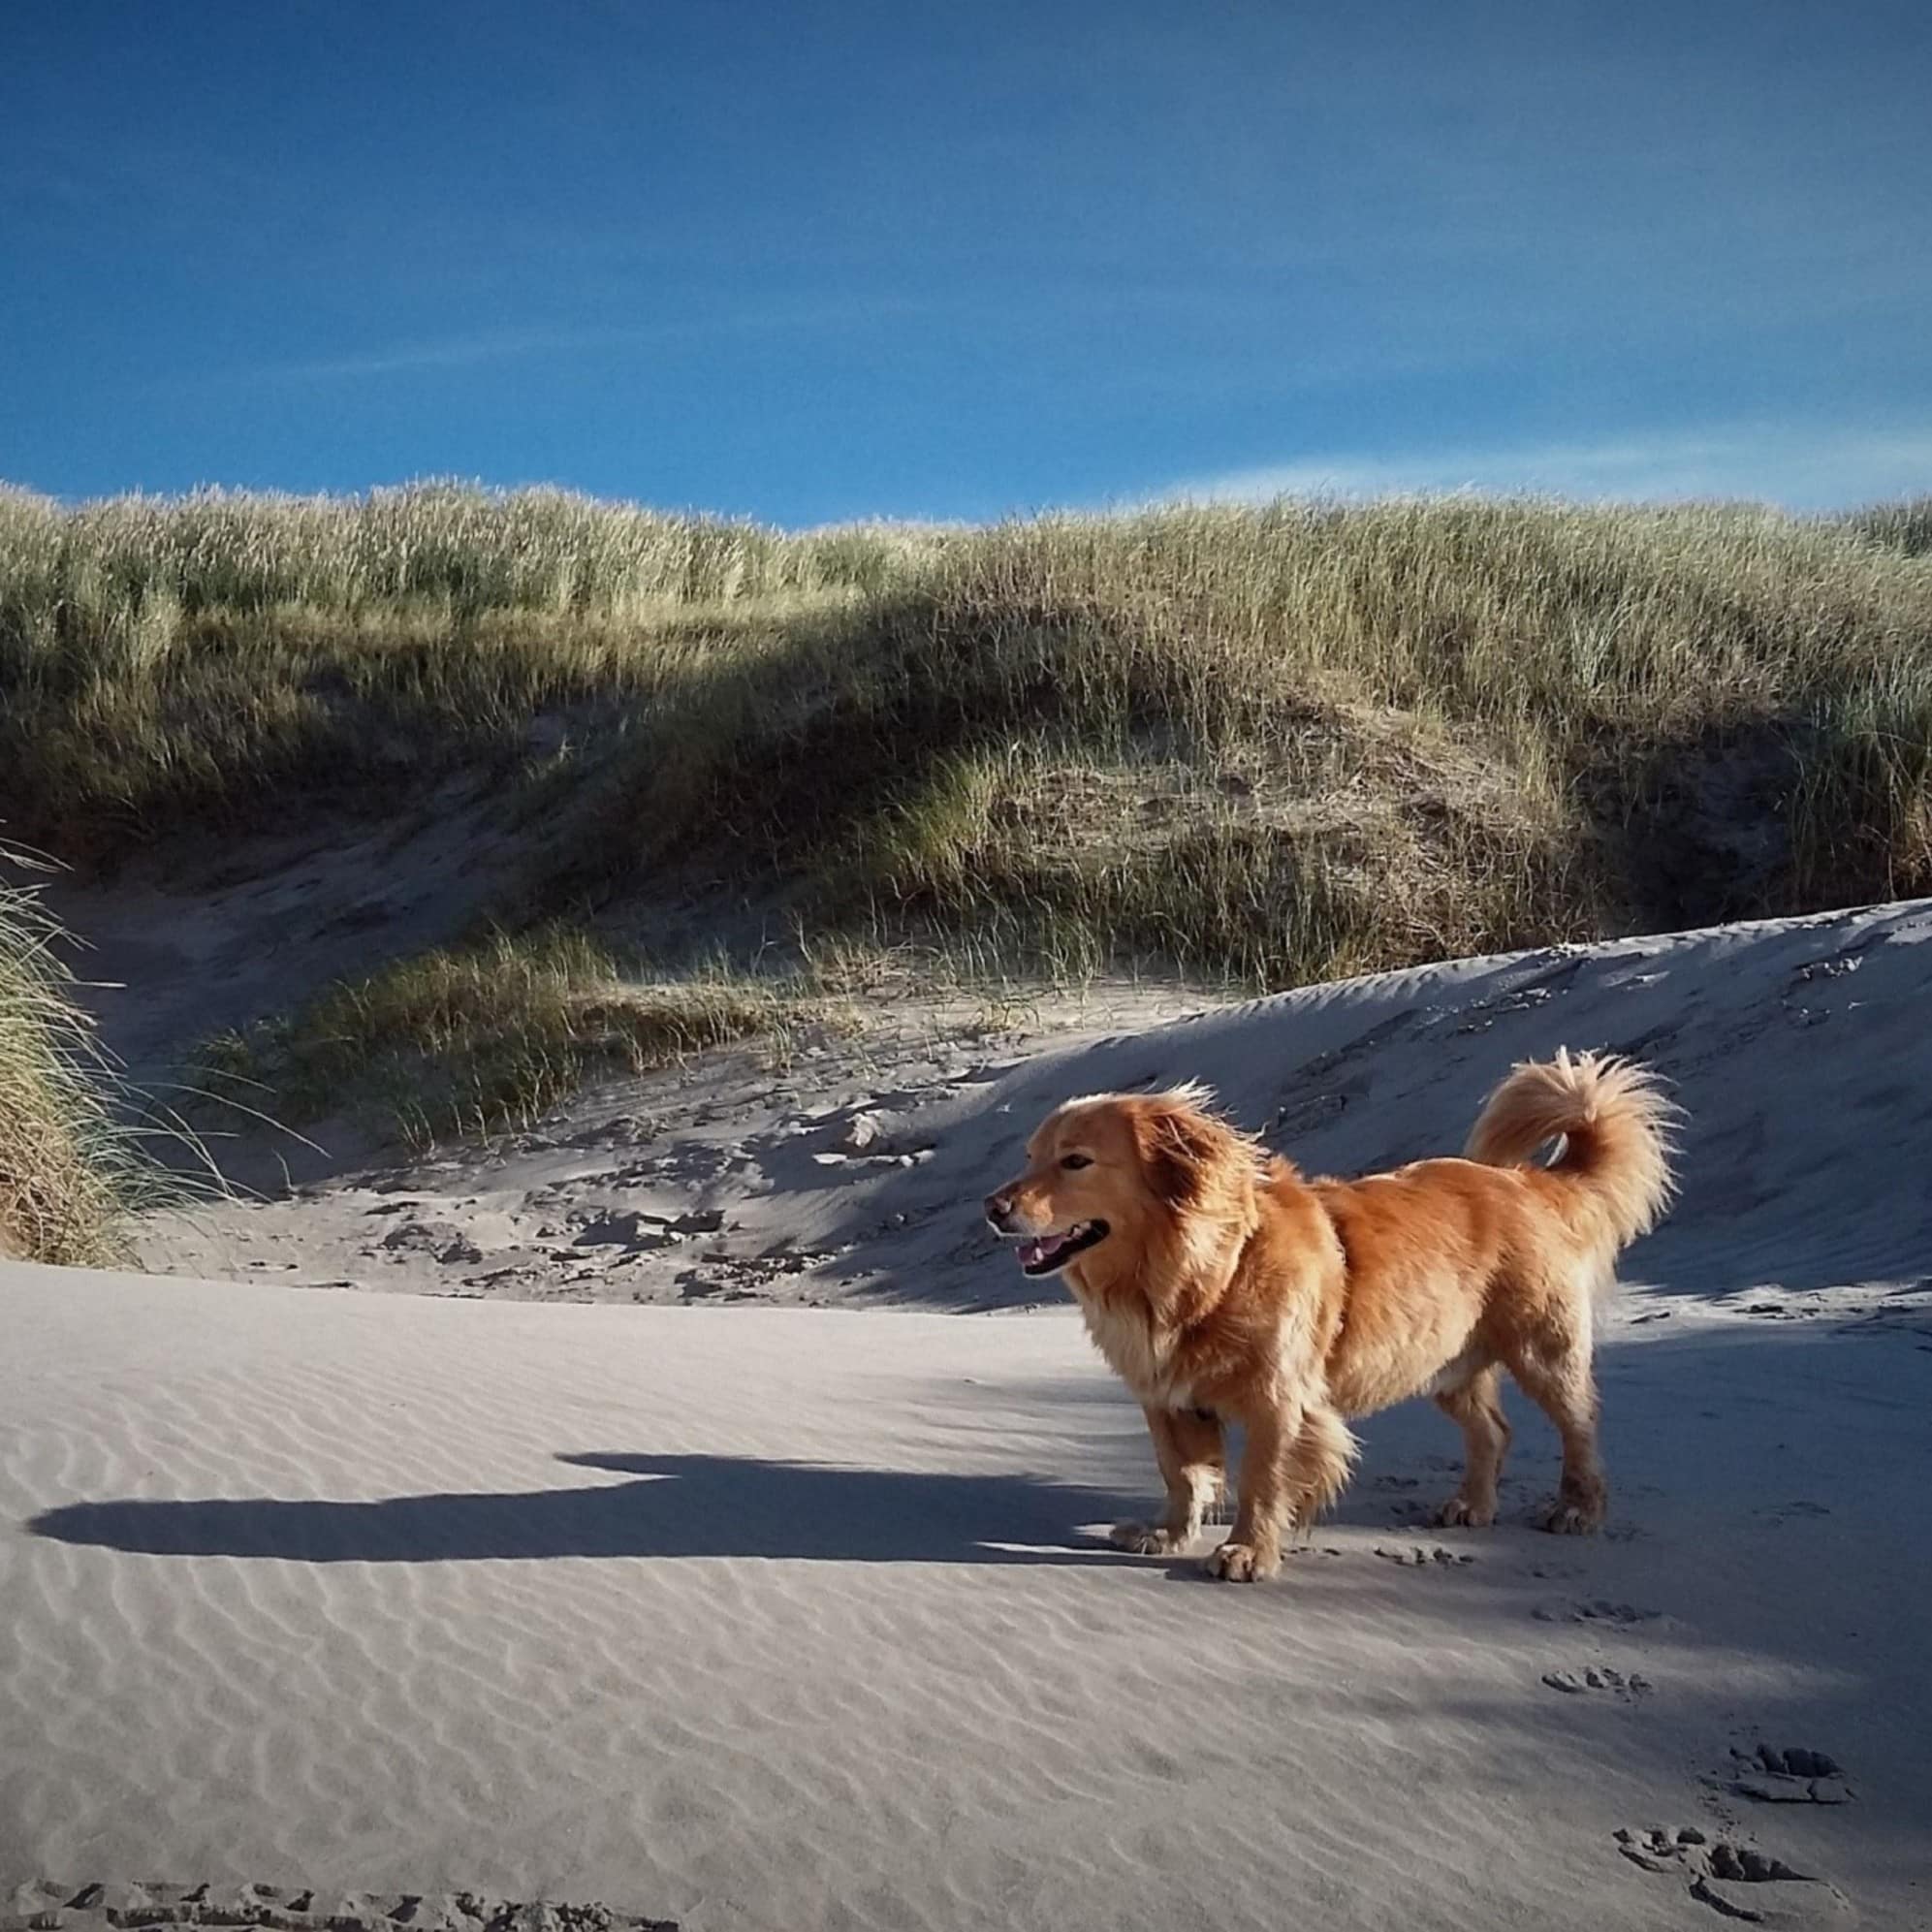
<point x="1458" y="1513"/>
<point x="1573" y="1519"/>
<point x="1242" y="1563"/>
<point x="1144" y="1538"/>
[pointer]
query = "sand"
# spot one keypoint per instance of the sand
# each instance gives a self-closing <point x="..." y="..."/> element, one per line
<point x="769" y="1615"/>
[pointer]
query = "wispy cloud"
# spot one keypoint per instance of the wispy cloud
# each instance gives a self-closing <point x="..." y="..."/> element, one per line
<point x="458" y="352"/>
<point x="1798" y="467"/>
<point x="481" y="347"/>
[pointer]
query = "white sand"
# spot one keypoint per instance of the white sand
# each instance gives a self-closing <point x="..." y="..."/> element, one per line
<point x="765" y="1617"/>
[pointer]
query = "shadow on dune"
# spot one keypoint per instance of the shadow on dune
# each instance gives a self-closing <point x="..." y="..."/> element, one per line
<point x="685" y="1507"/>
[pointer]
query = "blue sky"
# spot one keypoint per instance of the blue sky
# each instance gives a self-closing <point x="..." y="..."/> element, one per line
<point x="810" y="262"/>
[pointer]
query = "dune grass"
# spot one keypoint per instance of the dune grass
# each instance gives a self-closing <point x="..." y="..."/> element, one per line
<point x="68" y="1173"/>
<point x="204" y="660"/>
<point x="1285" y="743"/>
<point x="1905" y="525"/>
<point x="1261" y="744"/>
<point x="479" y="1038"/>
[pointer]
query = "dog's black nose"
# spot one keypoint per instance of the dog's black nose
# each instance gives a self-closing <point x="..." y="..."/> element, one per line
<point x="997" y="1207"/>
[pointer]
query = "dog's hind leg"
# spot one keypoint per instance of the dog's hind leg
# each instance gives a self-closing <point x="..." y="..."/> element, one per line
<point x="1556" y="1375"/>
<point x="1187" y="1446"/>
<point x="1477" y="1405"/>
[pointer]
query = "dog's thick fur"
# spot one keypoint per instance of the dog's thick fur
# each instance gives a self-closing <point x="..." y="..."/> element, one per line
<point x="1226" y="1287"/>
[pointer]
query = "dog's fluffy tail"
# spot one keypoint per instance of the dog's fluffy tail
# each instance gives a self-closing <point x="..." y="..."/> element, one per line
<point x="1615" y="1126"/>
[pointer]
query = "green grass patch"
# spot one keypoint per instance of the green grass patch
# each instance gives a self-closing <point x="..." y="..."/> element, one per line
<point x="477" y="1039"/>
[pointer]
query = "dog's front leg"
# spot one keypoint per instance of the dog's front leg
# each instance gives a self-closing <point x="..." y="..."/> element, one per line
<point x="1188" y="1446"/>
<point x="1254" y="1546"/>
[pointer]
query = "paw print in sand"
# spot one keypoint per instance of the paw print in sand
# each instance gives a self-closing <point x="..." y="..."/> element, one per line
<point x="1735" y="1880"/>
<point x="1788" y="1777"/>
<point x="1600" y="1678"/>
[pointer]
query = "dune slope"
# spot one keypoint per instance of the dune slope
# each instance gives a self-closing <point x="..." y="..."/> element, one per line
<point x="1801" y="1048"/>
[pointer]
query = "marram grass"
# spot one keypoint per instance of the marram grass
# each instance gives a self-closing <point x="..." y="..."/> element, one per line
<point x="1265" y="744"/>
<point x="70" y="1172"/>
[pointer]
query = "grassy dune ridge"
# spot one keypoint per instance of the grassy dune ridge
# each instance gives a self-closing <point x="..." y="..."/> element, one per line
<point x="1261" y="744"/>
<point x="1265" y="742"/>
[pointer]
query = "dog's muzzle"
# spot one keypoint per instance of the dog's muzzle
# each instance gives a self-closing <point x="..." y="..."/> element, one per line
<point x="1041" y="1253"/>
<point x="1049" y="1253"/>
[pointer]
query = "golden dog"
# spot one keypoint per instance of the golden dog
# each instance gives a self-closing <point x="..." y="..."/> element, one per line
<point x="1222" y="1286"/>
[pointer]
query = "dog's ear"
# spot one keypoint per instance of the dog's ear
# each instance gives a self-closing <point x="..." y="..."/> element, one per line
<point x="1181" y="1149"/>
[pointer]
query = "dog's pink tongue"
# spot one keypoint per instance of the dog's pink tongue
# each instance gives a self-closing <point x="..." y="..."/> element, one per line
<point x="1032" y="1252"/>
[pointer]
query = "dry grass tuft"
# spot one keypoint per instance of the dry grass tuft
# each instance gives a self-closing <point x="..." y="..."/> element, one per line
<point x="68" y="1173"/>
<point x="1905" y="525"/>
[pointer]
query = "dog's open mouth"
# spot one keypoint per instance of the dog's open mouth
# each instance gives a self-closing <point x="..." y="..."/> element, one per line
<point x="1048" y="1253"/>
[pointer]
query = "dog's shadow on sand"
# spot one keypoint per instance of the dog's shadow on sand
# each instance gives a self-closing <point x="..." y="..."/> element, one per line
<point x="684" y="1505"/>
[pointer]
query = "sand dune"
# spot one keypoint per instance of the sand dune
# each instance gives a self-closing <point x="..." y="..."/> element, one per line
<point x="767" y="1617"/>
<point x="1801" y="1047"/>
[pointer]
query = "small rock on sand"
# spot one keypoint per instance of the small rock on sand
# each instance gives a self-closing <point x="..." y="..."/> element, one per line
<point x="862" y="1134"/>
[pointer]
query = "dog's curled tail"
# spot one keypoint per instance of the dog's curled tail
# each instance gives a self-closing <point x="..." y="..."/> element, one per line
<point x="1616" y="1125"/>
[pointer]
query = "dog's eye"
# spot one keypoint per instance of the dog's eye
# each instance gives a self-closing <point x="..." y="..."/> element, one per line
<point x="1076" y="1160"/>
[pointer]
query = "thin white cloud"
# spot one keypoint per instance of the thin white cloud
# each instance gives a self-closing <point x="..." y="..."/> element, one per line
<point x="499" y="345"/>
<point x="1803" y="468"/>
<point x="454" y="352"/>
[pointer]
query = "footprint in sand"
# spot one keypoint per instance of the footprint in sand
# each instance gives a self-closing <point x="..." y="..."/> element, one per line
<point x="1600" y="1678"/>
<point x="1418" y="1556"/>
<point x="1792" y="1776"/>
<point x="1594" y="1610"/>
<point x="1735" y="1880"/>
<point x="442" y="1239"/>
<point x="41" y="1905"/>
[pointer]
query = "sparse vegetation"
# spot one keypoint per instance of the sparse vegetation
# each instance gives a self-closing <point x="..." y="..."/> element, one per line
<point x="1269" y="744"/>
<point x="68" y="1172"/>
<point x="481" y="1037"/>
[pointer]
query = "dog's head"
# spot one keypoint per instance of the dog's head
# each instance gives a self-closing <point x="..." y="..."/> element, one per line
<point x="1118" y="1174"/>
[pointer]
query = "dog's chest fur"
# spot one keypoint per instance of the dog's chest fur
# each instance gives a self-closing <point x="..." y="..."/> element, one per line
<point x="1124" y="1335"/>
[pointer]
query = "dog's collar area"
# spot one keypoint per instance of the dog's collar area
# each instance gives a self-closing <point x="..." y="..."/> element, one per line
<point x="1048" y="1253"/>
